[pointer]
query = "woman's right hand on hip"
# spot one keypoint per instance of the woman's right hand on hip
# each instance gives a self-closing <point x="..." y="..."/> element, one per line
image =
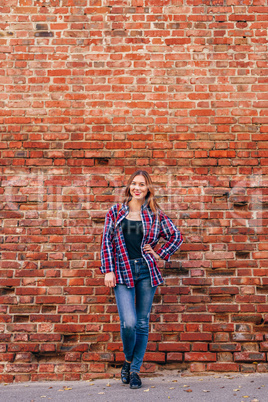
<point x="109" y="280"/>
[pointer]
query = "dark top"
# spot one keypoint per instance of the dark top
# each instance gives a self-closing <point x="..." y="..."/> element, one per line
<point x="133" y="234"/>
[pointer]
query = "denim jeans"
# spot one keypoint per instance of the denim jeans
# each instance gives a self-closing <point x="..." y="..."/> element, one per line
<point x="134" y="318"/>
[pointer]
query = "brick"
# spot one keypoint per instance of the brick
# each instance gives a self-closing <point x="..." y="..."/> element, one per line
<point x="173" y="356"/>
<point x="224" y="347"/>
<point x="197" y="356"/>
<point x="154" y="357"/>
<point x="202" y="337"/>
<point x="262" y="367"/>
<point x="223" y="367"/>
<point x="249" y="356"/>
<point x="174" y="347"/>
<point x="92" y="356"/>
<point x="97" y="367"/>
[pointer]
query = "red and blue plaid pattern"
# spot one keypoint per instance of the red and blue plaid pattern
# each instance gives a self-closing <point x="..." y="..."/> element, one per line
<point x="114" y="255"/>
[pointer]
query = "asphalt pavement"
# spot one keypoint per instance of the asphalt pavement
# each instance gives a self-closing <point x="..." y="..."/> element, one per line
<point x="168" y="385"/>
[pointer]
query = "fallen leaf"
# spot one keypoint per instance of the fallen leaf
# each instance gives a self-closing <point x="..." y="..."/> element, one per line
<point x="146" y="390"/>
<point x="108" y="385"/>
<point x="187" y="390"/>
<point x="186" y="386"/>
<point x="66" y="388"/>
<point x="254" y="400"/>
<point x="60" y="389"/>
<point x="205" y="390"/>
<point x="237" y="389"/>
<point x="152" y="386"/>
<point x="245" y="396"/>
<point x="174" y="380"/>
<point x="92" y="383"/>
<point x="200" y="379"/>
<point x="101" y="393"/>
<point x="172" y="388"/>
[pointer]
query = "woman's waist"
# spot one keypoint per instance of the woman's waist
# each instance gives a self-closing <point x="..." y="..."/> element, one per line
<point x="140" y="261"/>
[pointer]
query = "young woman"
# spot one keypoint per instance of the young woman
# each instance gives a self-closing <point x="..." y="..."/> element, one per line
<point x="128" y="258"/>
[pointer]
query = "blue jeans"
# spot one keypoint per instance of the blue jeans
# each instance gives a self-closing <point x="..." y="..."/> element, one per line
<point x="134" y="319"/>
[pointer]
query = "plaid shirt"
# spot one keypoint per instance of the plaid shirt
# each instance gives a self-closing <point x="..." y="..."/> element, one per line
<point x="114" y="255"/>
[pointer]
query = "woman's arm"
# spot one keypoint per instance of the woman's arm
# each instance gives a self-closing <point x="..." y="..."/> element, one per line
<point x="107" y="251"/>
<point x="171" y="234"/>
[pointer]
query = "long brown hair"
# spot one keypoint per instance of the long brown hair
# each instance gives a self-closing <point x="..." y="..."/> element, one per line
<point x="150" y="197"/>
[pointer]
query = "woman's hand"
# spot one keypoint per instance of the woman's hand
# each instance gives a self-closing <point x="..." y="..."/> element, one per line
<point x="148" y="249"/>
<point x="110" y="280"/>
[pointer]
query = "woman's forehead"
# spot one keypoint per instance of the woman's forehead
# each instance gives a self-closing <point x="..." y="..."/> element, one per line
<point x="139" y="178"/>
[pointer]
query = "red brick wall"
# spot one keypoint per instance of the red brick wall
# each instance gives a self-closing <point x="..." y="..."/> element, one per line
<point x="91" y="90"/>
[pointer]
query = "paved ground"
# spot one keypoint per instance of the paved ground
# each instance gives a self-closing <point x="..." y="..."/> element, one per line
<point x="167" y="386"/>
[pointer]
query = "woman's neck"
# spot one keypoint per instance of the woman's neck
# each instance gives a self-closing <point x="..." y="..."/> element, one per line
<point x="135" y="205"/>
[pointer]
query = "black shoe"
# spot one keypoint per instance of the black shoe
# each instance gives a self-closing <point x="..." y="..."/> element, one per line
<point x="125" y="376"/>
<point x="135" y="381"/>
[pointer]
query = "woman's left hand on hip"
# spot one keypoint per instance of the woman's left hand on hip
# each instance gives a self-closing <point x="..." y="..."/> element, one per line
<point x="148" y="249"/>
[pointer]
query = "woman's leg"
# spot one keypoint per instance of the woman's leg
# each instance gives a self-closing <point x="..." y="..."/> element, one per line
<point x="125" y="300"/>
<point x="144" y="299"/>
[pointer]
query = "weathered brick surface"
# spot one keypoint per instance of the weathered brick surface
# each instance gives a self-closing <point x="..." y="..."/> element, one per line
<point x="89" y="92"/>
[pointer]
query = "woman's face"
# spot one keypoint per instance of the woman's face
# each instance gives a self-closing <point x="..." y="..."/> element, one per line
<point x="138" y="188"/>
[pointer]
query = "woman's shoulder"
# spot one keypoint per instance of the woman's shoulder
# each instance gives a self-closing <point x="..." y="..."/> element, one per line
<point x="158" y="213"/>
<point x="163" y="215"/>
<point x="116" y="208"/>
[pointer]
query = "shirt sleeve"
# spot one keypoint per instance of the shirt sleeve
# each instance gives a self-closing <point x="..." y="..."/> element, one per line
<point x="107" y="253"/>
<point x="171" y="234"/>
